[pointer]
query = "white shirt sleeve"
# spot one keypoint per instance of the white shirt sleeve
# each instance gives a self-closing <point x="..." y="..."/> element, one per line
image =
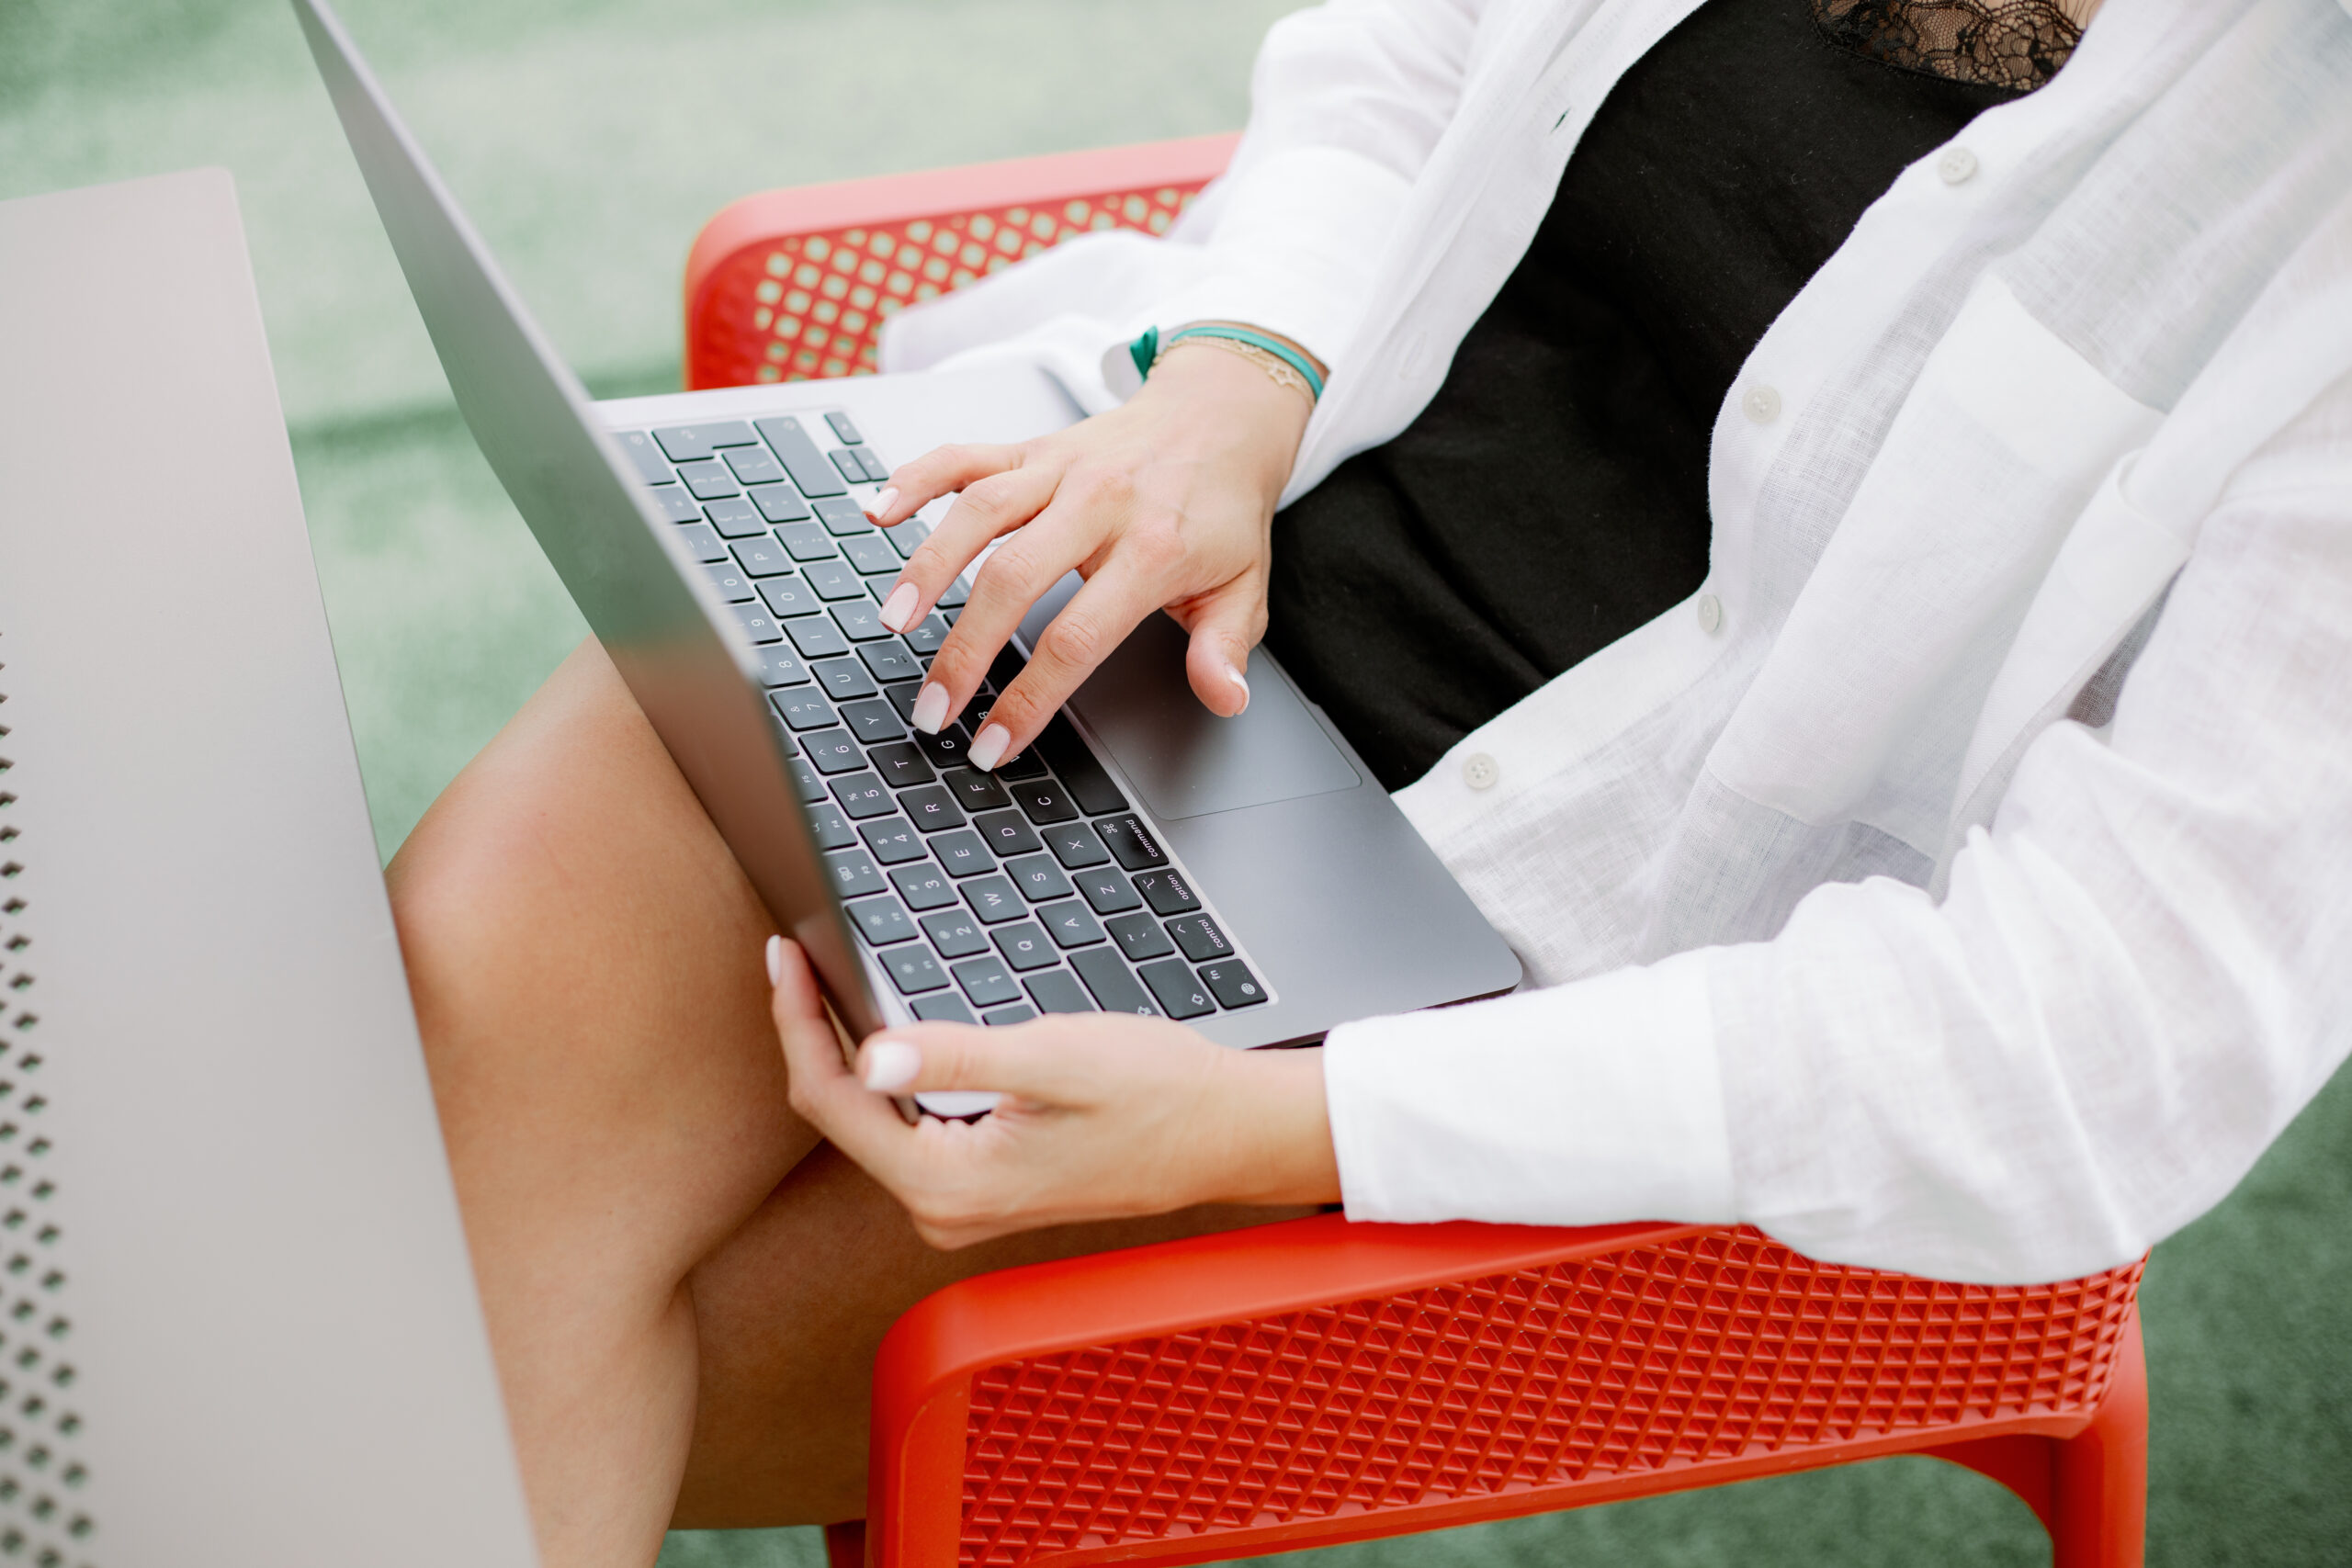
<point x="1348" y="100"/>
<point x="2138" y="977"/>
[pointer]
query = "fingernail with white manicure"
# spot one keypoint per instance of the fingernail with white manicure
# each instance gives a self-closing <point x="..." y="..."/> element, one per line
<point x="1235" y="676"/>
<point x="931" y="708"/>
<point x="898" y="609"/>
<point x="887" y="1065"/>
<point x="988" y="745"/>
<point x="775" y="961"/>
<point x="883" y="502"/>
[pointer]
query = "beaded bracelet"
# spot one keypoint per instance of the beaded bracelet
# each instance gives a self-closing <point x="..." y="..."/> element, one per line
<point x="1278" y="360"/>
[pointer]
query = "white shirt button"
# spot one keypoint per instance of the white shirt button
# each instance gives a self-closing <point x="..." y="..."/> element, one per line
<point x="1711" y="614"/>
<point x="1479" y="770"/>
<point x="1957" y="166"/>
<point x="1761" y="404"/>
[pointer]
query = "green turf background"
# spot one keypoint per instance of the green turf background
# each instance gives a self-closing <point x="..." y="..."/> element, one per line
<point x="589" y="141"/>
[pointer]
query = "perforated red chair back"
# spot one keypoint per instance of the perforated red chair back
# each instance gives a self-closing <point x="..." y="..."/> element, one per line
<point x="790" y="285"/>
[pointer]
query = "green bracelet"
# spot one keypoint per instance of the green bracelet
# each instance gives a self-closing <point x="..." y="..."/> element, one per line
<point x="1146" y="350"/>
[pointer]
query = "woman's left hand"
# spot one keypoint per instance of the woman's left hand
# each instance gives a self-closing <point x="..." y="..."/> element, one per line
<point x="1104" y="1116"/>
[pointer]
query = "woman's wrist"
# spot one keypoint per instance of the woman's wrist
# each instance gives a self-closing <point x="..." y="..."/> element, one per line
<point x="1279" y="1146"/>
<point x="1238" y="407"/>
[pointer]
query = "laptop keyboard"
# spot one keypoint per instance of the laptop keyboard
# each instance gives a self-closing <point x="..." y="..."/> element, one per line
<point x="986" y="896"/>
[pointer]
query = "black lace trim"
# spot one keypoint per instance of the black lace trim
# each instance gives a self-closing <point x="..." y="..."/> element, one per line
<point x="2012" y="44"/>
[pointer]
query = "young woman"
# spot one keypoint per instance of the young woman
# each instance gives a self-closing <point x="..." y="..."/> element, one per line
<point x="1836" y="516"/>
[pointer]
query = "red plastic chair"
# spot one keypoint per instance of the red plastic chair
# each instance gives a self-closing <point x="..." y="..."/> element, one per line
<point x="789" y="285"/>
<point x="1314" y="1381"/>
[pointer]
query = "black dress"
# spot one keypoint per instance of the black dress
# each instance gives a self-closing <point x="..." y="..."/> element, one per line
<point x="1551" y="496"/>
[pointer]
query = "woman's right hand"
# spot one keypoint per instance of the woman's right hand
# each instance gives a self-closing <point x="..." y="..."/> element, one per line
<point x="1165" y="502"/>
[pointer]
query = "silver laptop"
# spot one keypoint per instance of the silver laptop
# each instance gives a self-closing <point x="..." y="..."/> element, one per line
<point x="238" y="1323"/>
<point x="1248" y="876"/>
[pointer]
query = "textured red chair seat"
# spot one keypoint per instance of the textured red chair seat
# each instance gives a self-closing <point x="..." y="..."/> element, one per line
<point x="1314" y="1381"/>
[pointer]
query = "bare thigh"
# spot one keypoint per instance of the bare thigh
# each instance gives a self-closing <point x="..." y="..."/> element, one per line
<point x="682" y="1296"/>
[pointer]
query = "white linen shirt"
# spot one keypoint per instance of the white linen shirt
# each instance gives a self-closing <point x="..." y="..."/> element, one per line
<point x="1872" y="904"/>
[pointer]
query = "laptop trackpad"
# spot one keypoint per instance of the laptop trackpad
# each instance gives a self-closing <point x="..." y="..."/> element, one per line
<point x="1184" y="760"/>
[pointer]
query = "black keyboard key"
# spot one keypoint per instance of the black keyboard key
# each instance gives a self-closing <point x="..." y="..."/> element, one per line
<point x="925" y="636"/>
<point x="843" y="679"/>
<point x="757" y="625"/>
<point x="1072" y="923"/>
<point x="913" y="969"/>
<point x="709" y="481"/>
<point x="1139" y="937"/>
<point x="1167" y="892"/>
<point x="1040" y="879"/>
<point x="810" y="470"/>
<point x="786" y="597"/>
<point x="1200" y="939"/>
<point x="1075" y="845"/>
<point x="881" y="922"/>
<point x="976" y="790"/>
<point x="1080" y="773"/>
<point x="833" y="751"/>
<point x="810" y="781"/>
<point x="1132" y="842"/>
<point x="946" y="748"/>
<point x="1003" y="1016"/>
<point x="816" y="636"/>
<point x="1027" y="765"/>
<point x="732" y="585"/>
<point x="891" y="661"/>
<point x="762" y="556"/>
<point x="877" y="471"/>
<point x="674" y="502"/>
<point x="893" y="840"/>
<point x="735" y="518"/>
<point x="847" y="462"/>
<point x="803" y="709"/>
<point x="901" y="765"/>
<point x="908" y="536"/>
<point x="1114" y="989"/>
<point x="1024" y="946"/>
<point x="841" y="515"/>
<point x="945" y="1008"/>
<point x="872" y="555"/>
<point x="954" y="597"/>
<point x="1057" y="992"/>
<point x="779" y="503"/>
<point x="828" y="826"/>
<point x="853" y="874"/>
<point x="834" y="580"/>
<point x="703" y="542"/>
<point x="779" y="666"/>
<point x="844" y="428"/>
<point x="1108" y="891"/>
<point x="862" y="795"/>
<point x="1177" y="989"/>
<point x="1008" y="833"/>
<point x="1043" y="801"/>
<point x="684" y="443"/>
<point x="1233" y="983"/>
<point x="752" y="466"/>
<point x="806" y="541"/>
<point x="994" y="898"/>
<point x="860" y="619"/>
<point x="872" y="721"/>
<point x="932" y="808"/>
<point x="651" y="465"/>
<point x="923" y="886"/>
<point x="957" y="933"/>
<point x="985" y="981"/>
<point x="963" y="853"/>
